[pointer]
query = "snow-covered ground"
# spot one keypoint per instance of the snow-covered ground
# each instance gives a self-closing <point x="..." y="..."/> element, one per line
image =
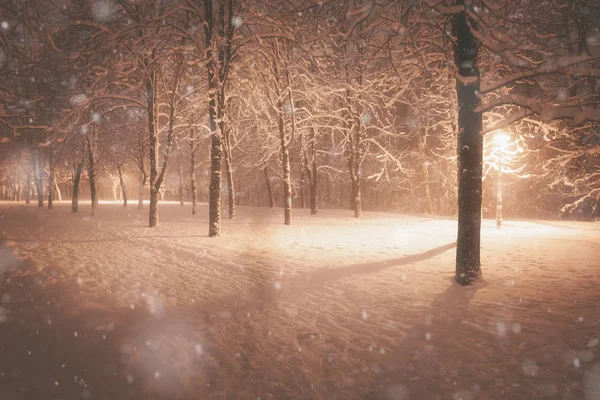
<point x="328" y="308"/>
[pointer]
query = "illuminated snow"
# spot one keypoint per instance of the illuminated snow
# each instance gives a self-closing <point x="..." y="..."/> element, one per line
<point x="363" y="306"/>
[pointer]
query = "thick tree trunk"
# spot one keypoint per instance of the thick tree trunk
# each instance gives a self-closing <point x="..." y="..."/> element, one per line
<point x="151" y="107"/>
<point x="57" y="191"/>
<point x="313" y="175"/>
<point x="193" y="176"/>
<point x="90" y="141"/>
<point x="229" y="172"/>
<point x="216" y="148"/>
<point x="230" y="185"/>
<point x="141" y="191"/>
<point x="50" y="179"/>
<point x="285" y="162"/>
<point x="37" y="179"/>
<point x="76" y="180"/>
<point x="352" y="193"/>
<point x="156" y="176"/>
<point x="269" y="188"/>
<point x="180" y="171"/>
<point x="302" y="183"/>
<point x="122" y="183"/>
<point x="427" y="186"/>
<point x="28" y="189"/>
<point x="357" y="199"/>
<point x="470" y="151"/>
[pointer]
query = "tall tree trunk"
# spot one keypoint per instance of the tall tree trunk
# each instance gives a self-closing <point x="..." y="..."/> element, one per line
<point x="122" y="183"/>
<point x="356" y="171"/>
<point x="302" y="183"/>
<point x="156" y="175"/>
<point x="269" y="188"/>
<point x="229" y="171"/>
<point x="285" y="162"/>
<point x="28" y="189"/>
<point x="141" y="190"/>
<point x="57" y="191"/>
<point x="76" y="180"/>
<point x="193" y="175"/>
<point x="470" y="150"/>
<point x="357" y="199"/>
<point x="37" y="178"/>
<point x="180" y="170"/>
<point x="424" y="164"/>
<point x="313" y="175"/>
<point x="90" y="141"/>
<point x="216" y="148"/>
<point x="50" y="179"/>
<point x="154" y="189"/>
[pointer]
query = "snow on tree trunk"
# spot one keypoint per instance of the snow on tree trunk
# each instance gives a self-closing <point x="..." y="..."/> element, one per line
<point x="285" y="163"/>
<point x="302" y="183"/>
<point x="50" y="179"/>
<point x="230" y="184"/>
<point x="28" y="189"/>
<point x="153" y="211"/>
<point x="92" y="172"/>
<point x="216" y="148"/>
<point x="427" y="187"/>
<point x="357" y="199"/>
<point x="122" y="183"/>
<point x="269" y="188"/>
<point x="37" y="179"/>
<point x="180" y="171"/>
<point x="470" y="150"/>
<point x="151" y="108"/>
<point x="193" y="176"/>
<point x="313" y="175"/>
<point x="57" y="191"/>
<point x="141" y="191"/>
<point x="76" y="180"/>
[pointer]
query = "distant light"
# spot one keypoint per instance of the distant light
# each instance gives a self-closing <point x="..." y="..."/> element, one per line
<point x="501" y="137"/>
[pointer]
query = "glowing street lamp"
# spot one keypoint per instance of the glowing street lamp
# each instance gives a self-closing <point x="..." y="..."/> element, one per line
<point x="501" y="139"/>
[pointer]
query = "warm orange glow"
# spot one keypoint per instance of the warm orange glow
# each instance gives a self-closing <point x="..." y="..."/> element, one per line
<point x="502" y="137"/>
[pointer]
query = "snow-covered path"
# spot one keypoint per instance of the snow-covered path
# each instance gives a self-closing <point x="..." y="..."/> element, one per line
<point x="328" y="308"/>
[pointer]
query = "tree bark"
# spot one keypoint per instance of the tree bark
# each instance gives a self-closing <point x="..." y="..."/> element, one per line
<point x="470" y="150"/>
<point x="28" y="189"/>
<point x="151" y="107"/>
<point x="193" y="175"/>
<point x="285" y="162"/>
<point x="50" y="179"/>
<point x="269" y="188"/>
<point x="180" y="170"/>
<point x="229" y="171"/>
<point x="302" y="183"/>
<point x="214" y="197"/>
<point x="76" y="180"/>
<point x="122" y="183"/>
<point x="313" y="175"/>
<point x="57" y="191"/>
<point x="37" y="179"/>
<point x="90" y="141"/>
<point x="141" y="190"/>
<point x="427" y="187"/>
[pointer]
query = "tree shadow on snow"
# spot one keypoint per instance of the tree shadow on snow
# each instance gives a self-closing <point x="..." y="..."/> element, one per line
<point x="427" y="361"/>
<point x="324" y="275"/>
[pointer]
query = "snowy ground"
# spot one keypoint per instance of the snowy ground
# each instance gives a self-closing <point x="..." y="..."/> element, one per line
<point x="328" y="308"/>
